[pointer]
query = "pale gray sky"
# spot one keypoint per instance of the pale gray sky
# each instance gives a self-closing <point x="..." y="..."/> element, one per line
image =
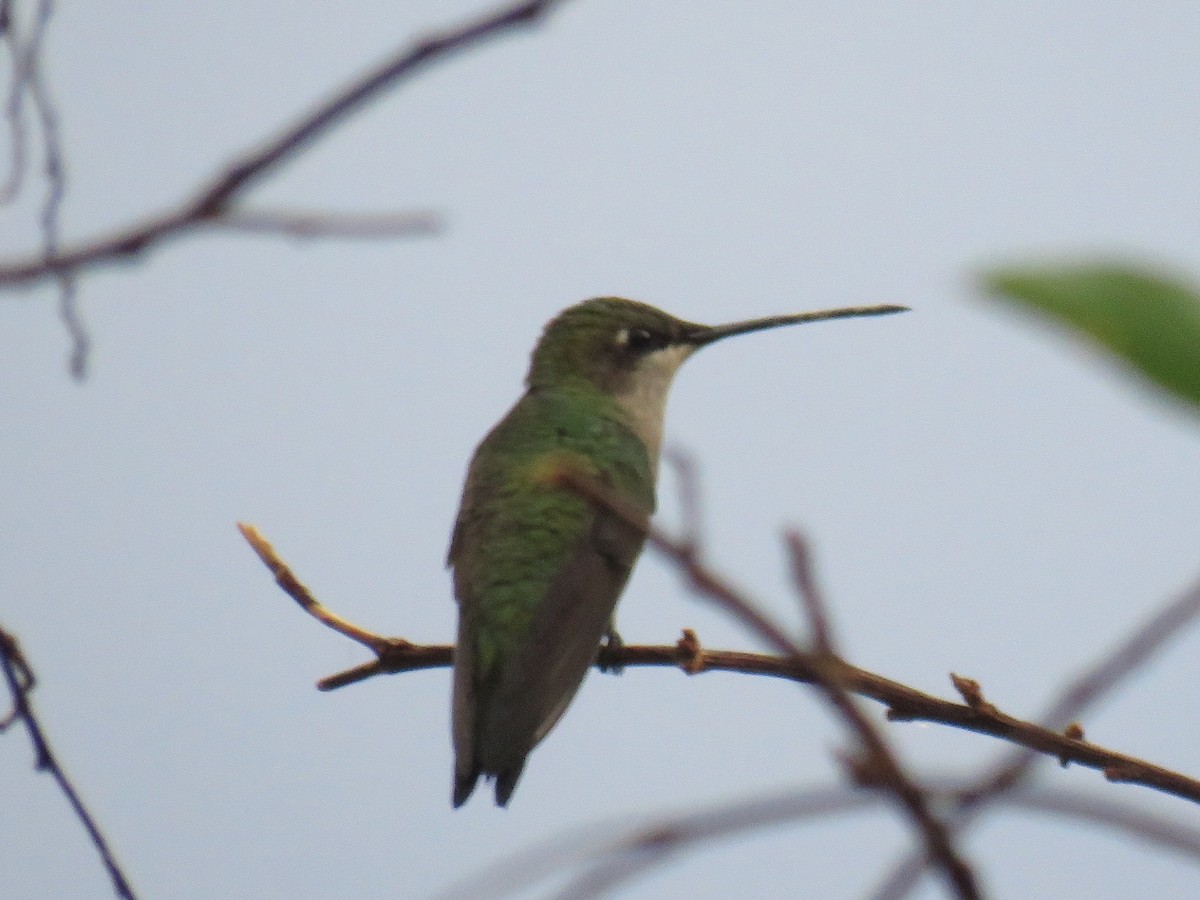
<point x="983" y="496"/>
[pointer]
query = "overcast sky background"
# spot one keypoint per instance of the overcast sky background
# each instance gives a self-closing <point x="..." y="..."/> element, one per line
<point x="984" y="497"/>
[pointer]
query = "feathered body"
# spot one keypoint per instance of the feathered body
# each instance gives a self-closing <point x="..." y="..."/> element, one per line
<point x="537" y="569"/>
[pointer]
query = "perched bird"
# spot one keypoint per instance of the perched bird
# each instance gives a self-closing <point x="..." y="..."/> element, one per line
<point x="537" y="568"/>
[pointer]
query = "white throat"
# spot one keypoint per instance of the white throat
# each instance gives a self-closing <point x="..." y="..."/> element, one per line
<point x="644" y="400"/>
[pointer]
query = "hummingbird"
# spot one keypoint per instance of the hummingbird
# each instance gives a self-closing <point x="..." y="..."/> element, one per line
<point x="537" y="569"/>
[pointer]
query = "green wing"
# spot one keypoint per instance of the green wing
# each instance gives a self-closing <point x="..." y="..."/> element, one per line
<point x="537" y="574"/>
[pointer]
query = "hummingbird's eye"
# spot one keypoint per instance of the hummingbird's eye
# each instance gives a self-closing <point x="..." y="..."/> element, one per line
<point x="642" y="339"/>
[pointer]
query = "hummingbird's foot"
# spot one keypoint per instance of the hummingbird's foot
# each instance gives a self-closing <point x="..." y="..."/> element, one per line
<point x="612" y="641"/>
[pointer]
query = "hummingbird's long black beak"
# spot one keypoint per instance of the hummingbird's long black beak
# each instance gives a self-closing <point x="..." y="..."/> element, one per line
<point x="706" y="334"/>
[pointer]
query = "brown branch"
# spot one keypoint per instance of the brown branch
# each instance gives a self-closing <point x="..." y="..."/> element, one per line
<point x="903" y="703"/>
<point x="293" y="587"/>
<point x="12" y="108"/>
<point x="1082" y="693"/>
<point x="55" y="165"/>
<point x="878" y="767"/>
<point x="805" y="580"/>
<point x="19" y="676"/>
<point x="20" y="55"/>
<point x="653" y="845"/>
<point x="1073" y="701"/>
<point x="636" y="849"/>
<point x="611" y="861"/>
<point x="310" y="224"/>
<point x="28" y="80"/>
<point x="214" y="199"/>
<point x="620" y="861"/>
<point x="689" y="495"/>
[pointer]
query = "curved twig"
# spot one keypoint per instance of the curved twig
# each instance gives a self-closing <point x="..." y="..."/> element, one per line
<point x="216" y="197"/>
<point x="19" y="676"/>
<point x="1073" y="701"/>
<point x="903" y="703"/>
<point x="874" y="764"/>
<point x="609" y="860"/>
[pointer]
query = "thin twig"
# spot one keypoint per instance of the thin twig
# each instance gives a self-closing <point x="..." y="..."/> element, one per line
<point x="879" y="767"/>
<point x="29" y="80"/>
<point x="904" y="703"/>
<point x="689" y="496"/>
<point x="20" y="55"/>
<point x="19" y="675"/>
<point x="215" y="198"/>
<point x="655" y="844"/>
<point x="310" y="224"/>
<point x="1072" y="702"/>
<point x="293" y="587"/>
<point x="804" y="577"/>
<point x="611" y="861"/>
<point x="1104" y="675"/>
<point x="56" y="190"/>
<point x="596" y="844"/>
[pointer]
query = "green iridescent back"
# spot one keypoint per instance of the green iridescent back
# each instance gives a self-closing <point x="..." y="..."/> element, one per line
<point x="515" y="531"/>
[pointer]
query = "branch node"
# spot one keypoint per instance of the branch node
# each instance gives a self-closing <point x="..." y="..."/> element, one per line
<point x="972" y="694"/>
<point x="1122" y="772"/>
<point x="1073" y="732"/>
<point x="690" y="653"/>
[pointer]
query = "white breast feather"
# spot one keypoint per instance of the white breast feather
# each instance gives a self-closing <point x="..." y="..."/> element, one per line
<point x="645" y="399"/>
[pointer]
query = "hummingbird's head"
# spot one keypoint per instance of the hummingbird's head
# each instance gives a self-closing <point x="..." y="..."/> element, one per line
<point x="607" y="342"/>
<point x="631" y="351"/>
<point x="628" y="351"/>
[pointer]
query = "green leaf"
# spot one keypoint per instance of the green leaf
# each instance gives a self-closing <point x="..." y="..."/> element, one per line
<point x="1148" y="319"/>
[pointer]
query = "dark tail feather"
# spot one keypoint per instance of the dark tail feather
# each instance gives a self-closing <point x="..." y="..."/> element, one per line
<point x="506" y="783"/>
<point x="464" y="784"/>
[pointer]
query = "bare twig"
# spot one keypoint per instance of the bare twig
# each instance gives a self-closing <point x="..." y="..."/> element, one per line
<point x="19" y="676"/>
<point x="56" y="188"/>
<point x="904" y="703"/>
<point x="1074" y="700"/>
<point x="14" y="109"/>
<point x="878" y="766"/>
<point x="1082" y="693"/>
<point x="611" y="861"/>
<point x="215" y="199"/>
<point x="25" y="54"/>
<point x="28" y="80"/>
<point x="655" y="844"/>
<point x="805" y="580"/>
<point x="596" y="844"/>
<point x="689" y="496"/>
<point x="293" y="587"/>
<point x="620" y="861"/>
<point x="309" y="224"/>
